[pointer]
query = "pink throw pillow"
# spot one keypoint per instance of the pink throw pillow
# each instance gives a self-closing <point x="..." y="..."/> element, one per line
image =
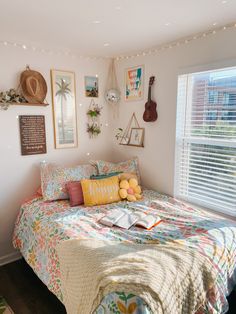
<point x="39" y="191"/>
<point x="75" y="192"/>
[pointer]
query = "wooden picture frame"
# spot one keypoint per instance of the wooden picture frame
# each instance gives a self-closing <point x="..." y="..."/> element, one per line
<point x="136" y="137"/>
<point x="134" y="83"/>
<point x="32" y="134"/>
<point x="64" y="108"/>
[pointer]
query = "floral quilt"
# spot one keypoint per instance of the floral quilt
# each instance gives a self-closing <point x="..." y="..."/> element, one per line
<point x="41" y="225"/>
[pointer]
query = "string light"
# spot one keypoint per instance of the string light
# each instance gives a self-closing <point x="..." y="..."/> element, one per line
<point x="51" y="52"/>
<point x="121" y="57"/>
<point x="183" y="41"/>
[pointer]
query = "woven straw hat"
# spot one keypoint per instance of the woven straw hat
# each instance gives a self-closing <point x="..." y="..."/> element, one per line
<point x="33" y="86"/>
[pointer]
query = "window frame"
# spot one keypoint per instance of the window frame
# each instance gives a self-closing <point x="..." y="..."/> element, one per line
<point x="182" y="110"/>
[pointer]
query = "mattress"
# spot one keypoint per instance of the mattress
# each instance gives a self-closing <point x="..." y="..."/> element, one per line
<point x="41" y="225"/>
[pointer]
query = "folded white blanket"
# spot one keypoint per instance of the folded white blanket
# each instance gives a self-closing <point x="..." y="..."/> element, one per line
<point x="170" y="278"/>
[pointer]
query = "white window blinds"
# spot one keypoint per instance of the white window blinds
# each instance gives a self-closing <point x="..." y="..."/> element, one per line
<point x="205" y="165"/>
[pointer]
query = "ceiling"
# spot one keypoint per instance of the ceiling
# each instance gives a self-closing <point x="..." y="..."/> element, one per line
<point x="109" y="27"/>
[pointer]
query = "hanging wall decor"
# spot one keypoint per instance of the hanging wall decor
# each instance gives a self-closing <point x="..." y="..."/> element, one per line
<point x="134" y="83"/>
<point x="33" y="86"/>
<point x="64" y="108"/>
<point x="31" y="91"/>
<point x="32" y="134"/>
<point x="150" y="113"/>
<point x="133" y="134"/>
<point x="112" y="94"/>
<point x="136" y="137"/>
<point x="93" y="125"/>
<point x="91" y="86"/>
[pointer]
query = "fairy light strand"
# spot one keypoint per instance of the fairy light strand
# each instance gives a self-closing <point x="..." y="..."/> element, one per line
<point x="49" y="51"/>
<point x="182" y="41"/>
<point x="153" y="51"/>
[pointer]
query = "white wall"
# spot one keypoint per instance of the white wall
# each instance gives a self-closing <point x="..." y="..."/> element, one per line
<point x="157" y="157"/>
<point x="19" y="175"/>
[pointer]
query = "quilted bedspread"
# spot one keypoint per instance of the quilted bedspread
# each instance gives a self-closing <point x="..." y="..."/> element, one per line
<point x="40" y="226"/>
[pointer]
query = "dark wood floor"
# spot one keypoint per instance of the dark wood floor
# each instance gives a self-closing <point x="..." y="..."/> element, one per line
<point x="26" y="294"/>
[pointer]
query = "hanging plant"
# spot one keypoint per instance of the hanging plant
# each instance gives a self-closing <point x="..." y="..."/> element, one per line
<point x="95" y="111"/>
<point x="93" y="129"/>
<point x="93" y="125"/>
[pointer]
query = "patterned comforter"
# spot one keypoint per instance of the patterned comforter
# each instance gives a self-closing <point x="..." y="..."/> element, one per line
<point x="40" y="226"/>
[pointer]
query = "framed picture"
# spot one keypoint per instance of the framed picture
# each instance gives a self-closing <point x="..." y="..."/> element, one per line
<point x="136" y="137"/>
<point x="32" y="134"/>
<point x="91" y="86"/>
<point x="64" y="108"/>
<point x="134" y="78"/>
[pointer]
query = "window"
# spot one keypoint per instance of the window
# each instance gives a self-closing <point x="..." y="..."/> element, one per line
<point x="205" y="164"/>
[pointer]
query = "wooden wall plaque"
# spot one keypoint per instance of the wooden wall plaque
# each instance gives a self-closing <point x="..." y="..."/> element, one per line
<point x="32" y="135"/>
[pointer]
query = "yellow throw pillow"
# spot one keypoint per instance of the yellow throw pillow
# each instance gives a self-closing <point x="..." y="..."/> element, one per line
<point x="100" y="192"/>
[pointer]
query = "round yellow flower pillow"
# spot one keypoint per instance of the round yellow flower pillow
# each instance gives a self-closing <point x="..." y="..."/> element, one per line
<point x="130" y="190"/>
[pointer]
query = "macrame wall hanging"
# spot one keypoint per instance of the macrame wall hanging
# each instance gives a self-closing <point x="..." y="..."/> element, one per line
<point x="133" y="135"/>
<point x="112" y="94"/>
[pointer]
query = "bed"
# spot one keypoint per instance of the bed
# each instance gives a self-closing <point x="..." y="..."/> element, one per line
<point x="41" y="225"/>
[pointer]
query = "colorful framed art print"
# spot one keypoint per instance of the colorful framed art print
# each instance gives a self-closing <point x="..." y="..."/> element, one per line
<point x="134" y="81"/>
<point x="64" y="108"/>
<point x="91" y="86"/>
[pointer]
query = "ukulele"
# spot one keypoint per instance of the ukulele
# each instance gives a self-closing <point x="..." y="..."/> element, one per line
<point x="150" y="113"/>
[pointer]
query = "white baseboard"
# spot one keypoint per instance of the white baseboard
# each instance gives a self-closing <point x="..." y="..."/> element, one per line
<point x="6" y="259"/>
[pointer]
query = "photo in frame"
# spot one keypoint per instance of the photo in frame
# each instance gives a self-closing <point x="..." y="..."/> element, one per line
<point x="134" y="81"/>
<point x="64" y="108"/>
<point x="91" y="86"/>
<point x="136" y="137"/>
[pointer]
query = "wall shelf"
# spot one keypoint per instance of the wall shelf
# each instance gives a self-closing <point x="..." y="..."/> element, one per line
<point x="26" y="104"/>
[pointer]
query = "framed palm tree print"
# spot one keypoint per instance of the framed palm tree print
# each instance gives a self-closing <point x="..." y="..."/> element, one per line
<point x="64" y="108"/>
